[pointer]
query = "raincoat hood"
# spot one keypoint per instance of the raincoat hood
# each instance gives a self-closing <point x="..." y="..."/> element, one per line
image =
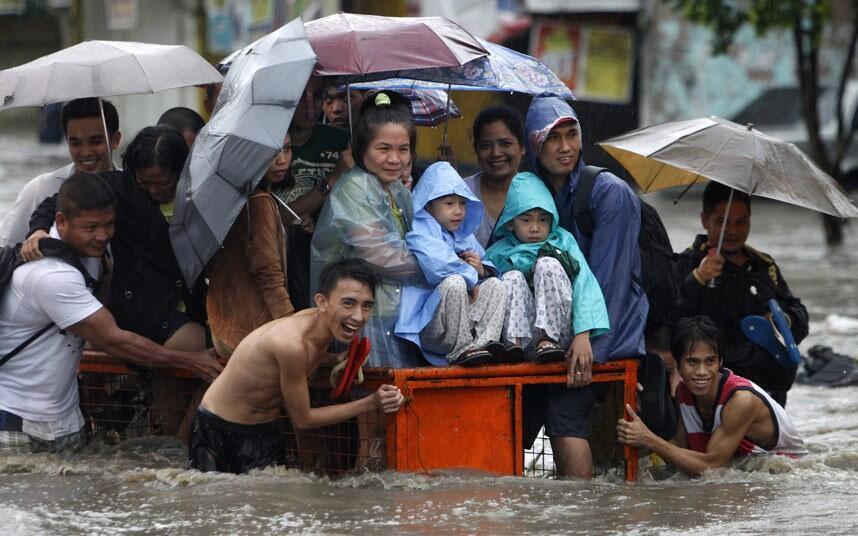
<point x="441" y="179"/>
<point x="544" y="114"/>
<point x="437" y="252"/>
<point x="526" y="192"/>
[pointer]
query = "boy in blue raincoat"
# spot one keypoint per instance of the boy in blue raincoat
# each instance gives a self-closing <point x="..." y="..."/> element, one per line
<point x="555" y="301"/>
<point x="459" y="312"/>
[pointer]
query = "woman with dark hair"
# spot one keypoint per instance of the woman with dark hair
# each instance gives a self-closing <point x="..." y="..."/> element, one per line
<point x="498" y="136"/>
<point x="148" y="294"/>
<point x="367" y="215"/>
<point x="247" y="277"/>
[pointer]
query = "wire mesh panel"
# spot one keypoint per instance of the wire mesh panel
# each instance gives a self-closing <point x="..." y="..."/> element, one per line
<point x="122" y="402"/>
<point x="486" y="405"/>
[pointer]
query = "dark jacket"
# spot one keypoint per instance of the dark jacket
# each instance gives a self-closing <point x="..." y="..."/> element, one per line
<point x="741" y="291"/>
<point x="147" y="284"/>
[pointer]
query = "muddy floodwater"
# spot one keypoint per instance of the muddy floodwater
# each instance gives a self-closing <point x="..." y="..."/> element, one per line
<point x="141" y="486"/>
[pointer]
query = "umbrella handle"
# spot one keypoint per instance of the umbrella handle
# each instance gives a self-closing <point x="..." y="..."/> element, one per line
<point x="349" y="106"/>
<point x="724" y="223"/>
<point x="446" y="122"/>
<point x="711" y="282"/>
<point x="287" y="207"/>
<point x="106" y="134"/>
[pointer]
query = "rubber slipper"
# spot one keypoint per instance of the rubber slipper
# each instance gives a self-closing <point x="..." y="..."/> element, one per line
<point x="358" y="352"/>
<point x="472" y="358"/>
<point x="495" y="348"/>
<point x="512" y="353"/>
<point x="775" y="335"/>
<point x="549" y="353"/>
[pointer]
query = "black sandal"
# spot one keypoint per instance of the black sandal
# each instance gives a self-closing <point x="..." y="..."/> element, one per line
<point x="549" y="353"/>
<point x="472" y="358"/>
<point x="495" y="348"/>
<point x="512" y="353"/>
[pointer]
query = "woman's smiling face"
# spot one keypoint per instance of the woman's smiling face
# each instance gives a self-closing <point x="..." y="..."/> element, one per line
<point x="388" y="153"/>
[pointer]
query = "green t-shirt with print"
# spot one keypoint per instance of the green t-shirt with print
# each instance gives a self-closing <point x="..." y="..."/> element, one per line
<point x="313" y="160"/>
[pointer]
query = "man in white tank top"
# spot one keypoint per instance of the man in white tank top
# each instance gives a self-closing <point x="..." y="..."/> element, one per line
<point x="722" y="415"/>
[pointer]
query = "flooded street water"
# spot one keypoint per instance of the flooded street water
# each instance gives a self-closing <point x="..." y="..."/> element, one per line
<point x="140" y="486"/>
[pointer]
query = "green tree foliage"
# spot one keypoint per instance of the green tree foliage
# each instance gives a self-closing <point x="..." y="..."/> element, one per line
<point x="806" y="21"/>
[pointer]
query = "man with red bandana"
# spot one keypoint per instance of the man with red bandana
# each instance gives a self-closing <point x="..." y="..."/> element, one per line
<point x="236" y="425"/>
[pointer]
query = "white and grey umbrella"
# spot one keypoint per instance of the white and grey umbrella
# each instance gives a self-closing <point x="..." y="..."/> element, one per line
<point x="233" y="150"/>
<point x="103" y="69"/>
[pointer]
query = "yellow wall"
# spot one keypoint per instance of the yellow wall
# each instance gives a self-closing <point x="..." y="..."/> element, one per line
<point x="470" y="103"/>
<point x="388" y="8"/>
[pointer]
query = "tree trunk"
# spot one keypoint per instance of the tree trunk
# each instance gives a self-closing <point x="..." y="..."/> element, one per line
<point x="807" y="67"/>
<point x="833" y="227"/>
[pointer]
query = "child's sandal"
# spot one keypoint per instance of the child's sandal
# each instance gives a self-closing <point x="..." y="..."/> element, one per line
<point x="548" y="351"/>
<point x="471" y="358"/>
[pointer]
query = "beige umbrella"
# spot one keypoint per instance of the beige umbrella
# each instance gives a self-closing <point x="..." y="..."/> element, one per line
<point x="682" y="153"/>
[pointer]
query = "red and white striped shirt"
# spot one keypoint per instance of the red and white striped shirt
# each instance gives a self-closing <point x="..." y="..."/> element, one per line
<point x="698" y="432"/>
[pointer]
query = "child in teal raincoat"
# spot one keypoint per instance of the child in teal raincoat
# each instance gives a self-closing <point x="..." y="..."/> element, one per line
<point x="457" y="314"/>
<point x="554" y="299"/>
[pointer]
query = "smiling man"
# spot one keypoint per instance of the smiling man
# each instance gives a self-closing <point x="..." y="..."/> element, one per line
<point x="722" y="415"/>
<point x="88" y="148"/>
<point x="737" y="283"/>
<point x="49" y="310"/>
<point x="235" y="428"/>
<point x="554" y="152"/>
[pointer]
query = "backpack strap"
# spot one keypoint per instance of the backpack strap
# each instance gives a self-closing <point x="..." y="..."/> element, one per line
<point x="581" y="209"/>
<point x="53" y="248"/>
<point x="24" y="344"/>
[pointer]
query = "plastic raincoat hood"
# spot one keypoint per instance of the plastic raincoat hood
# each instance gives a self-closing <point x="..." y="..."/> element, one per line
<point x="437" y="251"/>
<point x="526" y="192"/>
<point x="438" y="180"/>
<point x="544" y="114"/>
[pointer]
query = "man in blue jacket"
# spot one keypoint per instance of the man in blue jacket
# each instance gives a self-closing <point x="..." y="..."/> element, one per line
<point x="554" y="152"/>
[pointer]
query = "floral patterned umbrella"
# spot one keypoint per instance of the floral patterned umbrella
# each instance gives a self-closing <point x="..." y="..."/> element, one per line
<point x="503" y="69"/>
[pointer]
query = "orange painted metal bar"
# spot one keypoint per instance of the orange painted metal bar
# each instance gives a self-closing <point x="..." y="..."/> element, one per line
<point x="630" y="398"/>
<point x="506" y="380"/>
<point x="102" y="364"/>
<point x="409" y="380"/>
<point x="488" y="371"/>
<point x="519" y="432"/>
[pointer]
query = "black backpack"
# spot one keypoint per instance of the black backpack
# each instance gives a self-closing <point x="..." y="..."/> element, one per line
<point x="10" y="259"/>
<point x="657" y="407"/>
<point x="657" y="259"/>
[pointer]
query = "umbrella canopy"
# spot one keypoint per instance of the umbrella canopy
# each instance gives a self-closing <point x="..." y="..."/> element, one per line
<point x="103" y="69"/>
<point x="430" y="107"/>
<point x="234" y="149"/>
<point x="348" y="44"/>
<point x="503" y="69"/>
<point x="685" y="152"/>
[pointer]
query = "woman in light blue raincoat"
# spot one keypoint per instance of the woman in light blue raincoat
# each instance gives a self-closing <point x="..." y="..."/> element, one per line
<point x="367" y="215"/>
<point x="565" y="305"/>
<point x="437" y="315"/>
